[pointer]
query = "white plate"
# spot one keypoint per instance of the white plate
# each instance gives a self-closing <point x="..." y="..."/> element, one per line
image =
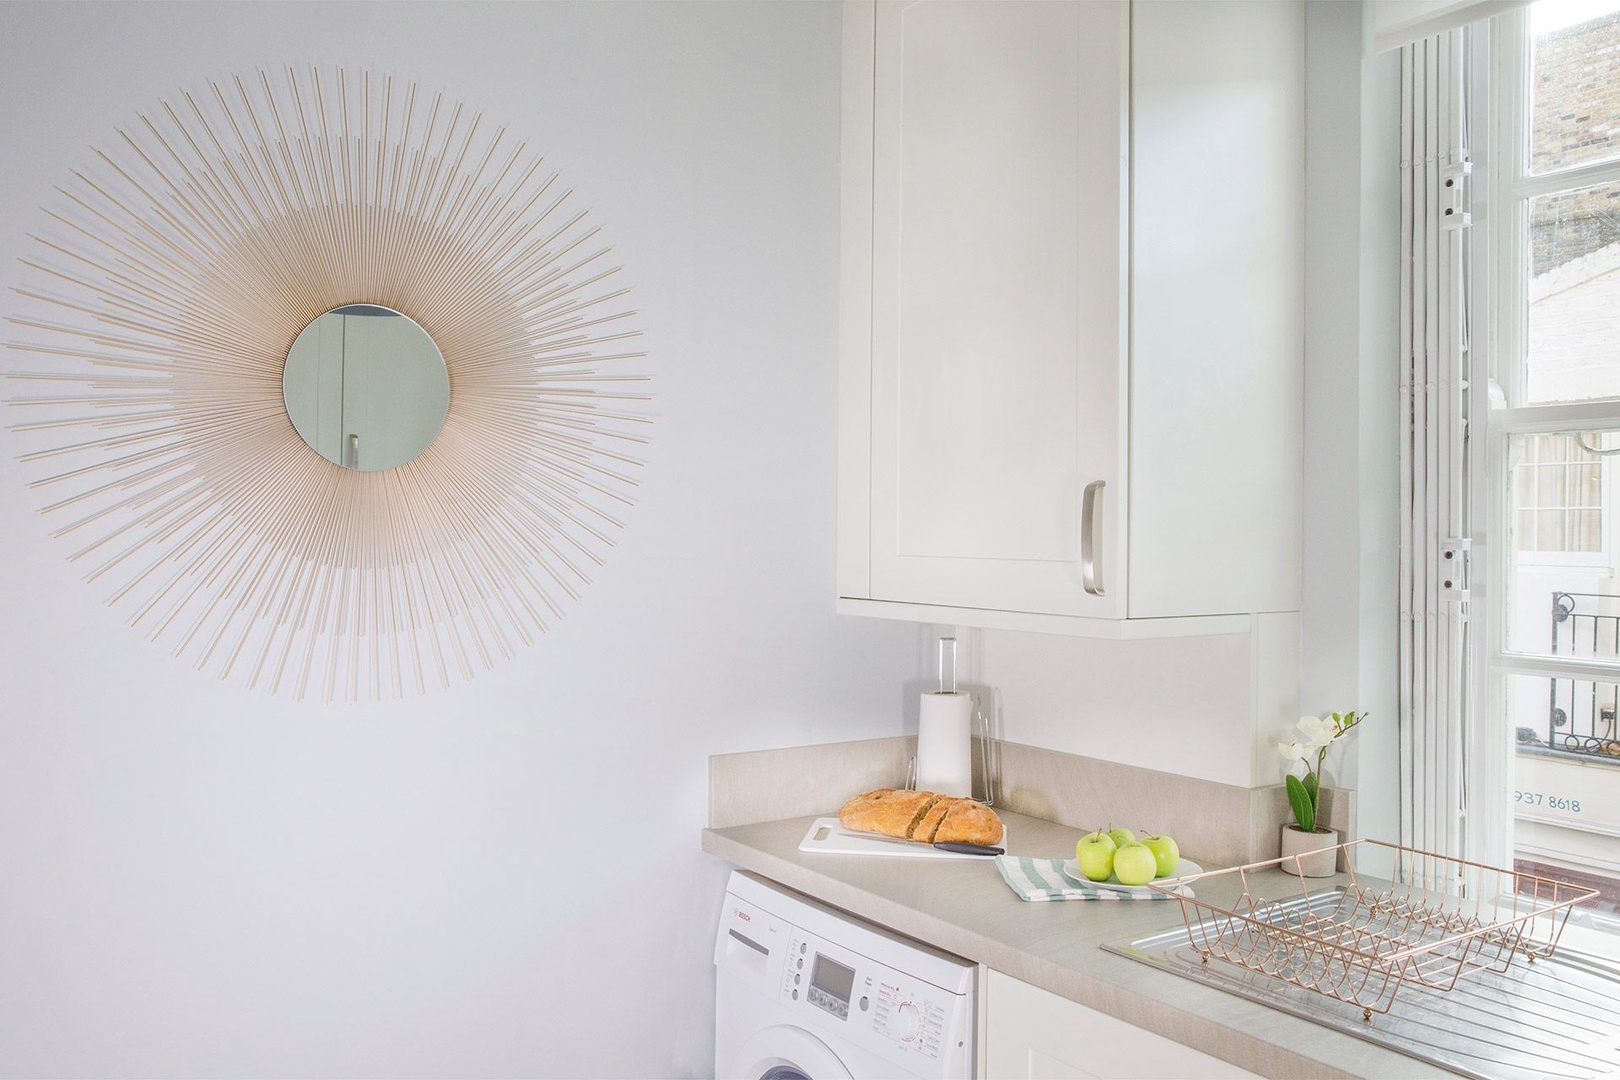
<point x="1184" y="868"/>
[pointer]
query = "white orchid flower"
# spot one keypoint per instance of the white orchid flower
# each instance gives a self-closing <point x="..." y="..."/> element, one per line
<point x="1316" y="733"/>
<point x="1291" y="751"/>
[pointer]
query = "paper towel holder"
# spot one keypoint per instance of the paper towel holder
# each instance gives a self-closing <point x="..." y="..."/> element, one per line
<point x="981" y="721"/>
<point x="979" y="724"/>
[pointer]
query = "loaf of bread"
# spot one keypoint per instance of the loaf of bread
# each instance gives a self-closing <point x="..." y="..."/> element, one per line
<point x="924" y="816"/>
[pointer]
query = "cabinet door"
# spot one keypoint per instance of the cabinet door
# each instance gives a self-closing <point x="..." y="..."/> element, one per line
<point x="1034" y="1034"/>
<point x="1217" y="267"/>
<point x="998" y="390"/>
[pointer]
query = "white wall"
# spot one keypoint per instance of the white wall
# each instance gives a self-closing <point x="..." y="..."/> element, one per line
<point x="1352" y="273"/>
<point x="1573" y="308"/>
<point x="501" y="879"/>
<point x="1180" y="705"/>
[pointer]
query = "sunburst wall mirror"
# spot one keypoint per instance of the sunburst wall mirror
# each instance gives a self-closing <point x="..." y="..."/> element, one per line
<point x="331" y="387"/>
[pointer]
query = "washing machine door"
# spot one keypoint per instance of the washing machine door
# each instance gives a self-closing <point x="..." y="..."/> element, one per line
<point x="784" y="1052"/>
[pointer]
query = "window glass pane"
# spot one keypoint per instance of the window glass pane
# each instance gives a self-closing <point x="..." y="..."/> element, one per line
<point x="1558" y="493"/>
<point x="1566" y="783"/>
<point x="1575" y="60"/>
<point x="1573" y="349"/>
<point x="1561" y="518"/>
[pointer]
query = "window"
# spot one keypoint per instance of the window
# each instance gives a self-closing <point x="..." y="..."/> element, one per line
<point x="1551" y="286"/>
<point x="1557" y="491"/>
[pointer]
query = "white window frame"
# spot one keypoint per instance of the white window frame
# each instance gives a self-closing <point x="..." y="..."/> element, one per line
<point x="1498" y="269"/>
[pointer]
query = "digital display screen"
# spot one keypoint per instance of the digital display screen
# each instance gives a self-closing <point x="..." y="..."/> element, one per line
<point x="832" y="978"/>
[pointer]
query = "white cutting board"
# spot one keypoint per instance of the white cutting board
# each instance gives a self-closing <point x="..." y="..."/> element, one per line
<point x="830" y="838"/>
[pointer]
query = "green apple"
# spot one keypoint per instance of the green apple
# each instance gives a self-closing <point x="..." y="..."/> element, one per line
<point x="1166" y="852"/>
<point x="1095" y="854"/>
<point x="1121" y="836"/>
<point x="1134" y="864"/>
<point x="1092" y="837"/>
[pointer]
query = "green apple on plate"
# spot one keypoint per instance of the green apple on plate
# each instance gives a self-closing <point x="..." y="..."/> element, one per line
<point x="1095" y="856"/>
<point x="1166" y="853"/>
<point x="1114" y="856"/>
<point x="1135" y="864"/>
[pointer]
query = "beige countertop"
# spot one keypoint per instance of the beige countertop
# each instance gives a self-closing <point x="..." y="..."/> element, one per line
<point x="963" y="907"/>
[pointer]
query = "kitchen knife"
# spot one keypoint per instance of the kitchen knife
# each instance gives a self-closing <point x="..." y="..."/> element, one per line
<point x="968" y="849"/>
<point x="943" y="845"/>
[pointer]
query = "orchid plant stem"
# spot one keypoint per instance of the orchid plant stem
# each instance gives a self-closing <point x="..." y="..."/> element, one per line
<point x="1304" y="792"/>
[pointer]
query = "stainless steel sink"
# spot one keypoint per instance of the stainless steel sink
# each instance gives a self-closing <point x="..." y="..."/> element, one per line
<point x="1555" y="1018"/>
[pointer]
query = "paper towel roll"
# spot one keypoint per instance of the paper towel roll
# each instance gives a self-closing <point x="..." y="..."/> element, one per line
<point x="944" y="744"/>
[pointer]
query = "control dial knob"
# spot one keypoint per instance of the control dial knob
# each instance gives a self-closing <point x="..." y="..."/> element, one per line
<point x="908" y="1022"/>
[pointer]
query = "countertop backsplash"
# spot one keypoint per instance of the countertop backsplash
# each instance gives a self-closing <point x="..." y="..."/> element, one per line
<point x="1219" y="824"/>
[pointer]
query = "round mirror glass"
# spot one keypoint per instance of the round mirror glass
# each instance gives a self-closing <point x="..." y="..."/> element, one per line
<point x="366" y="387"/>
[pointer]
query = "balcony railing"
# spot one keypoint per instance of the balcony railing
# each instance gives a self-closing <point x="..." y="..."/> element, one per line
<point x="1581" y="714"/>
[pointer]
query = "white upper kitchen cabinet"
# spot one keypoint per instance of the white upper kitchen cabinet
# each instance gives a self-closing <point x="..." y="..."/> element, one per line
<point x="1072" y="313"/>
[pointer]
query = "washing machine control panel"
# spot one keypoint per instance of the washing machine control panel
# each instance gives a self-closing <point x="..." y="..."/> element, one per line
<point x="911" y="1016"/>
<point x="867" y="1001"/>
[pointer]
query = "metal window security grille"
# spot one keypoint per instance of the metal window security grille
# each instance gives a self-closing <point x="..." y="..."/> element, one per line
<point x="1433" y="456"/>
<point x="1581" y="713"/>
<point x="164" y="291"/>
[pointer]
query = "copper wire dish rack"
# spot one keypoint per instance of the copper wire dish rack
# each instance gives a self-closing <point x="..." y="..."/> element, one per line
<point x="1441" y="919"/>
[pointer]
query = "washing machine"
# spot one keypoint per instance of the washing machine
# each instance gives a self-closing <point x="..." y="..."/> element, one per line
<point x="806" y="992"/>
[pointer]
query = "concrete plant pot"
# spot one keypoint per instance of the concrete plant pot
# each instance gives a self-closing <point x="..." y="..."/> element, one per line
<point x="1316" y="852"/>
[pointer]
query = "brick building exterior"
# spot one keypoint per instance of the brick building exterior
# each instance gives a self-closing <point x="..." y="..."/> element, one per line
<point x="1575" y="119"/>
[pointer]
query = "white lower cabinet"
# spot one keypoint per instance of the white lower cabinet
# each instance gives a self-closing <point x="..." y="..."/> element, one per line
<point x="1032" y="1034"/>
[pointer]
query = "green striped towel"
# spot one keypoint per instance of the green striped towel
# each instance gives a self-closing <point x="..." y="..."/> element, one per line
<point x="1043" y="879"/>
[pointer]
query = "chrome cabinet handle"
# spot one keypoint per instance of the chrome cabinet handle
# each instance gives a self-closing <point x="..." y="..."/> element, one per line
<point x="1091" y="506"/>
